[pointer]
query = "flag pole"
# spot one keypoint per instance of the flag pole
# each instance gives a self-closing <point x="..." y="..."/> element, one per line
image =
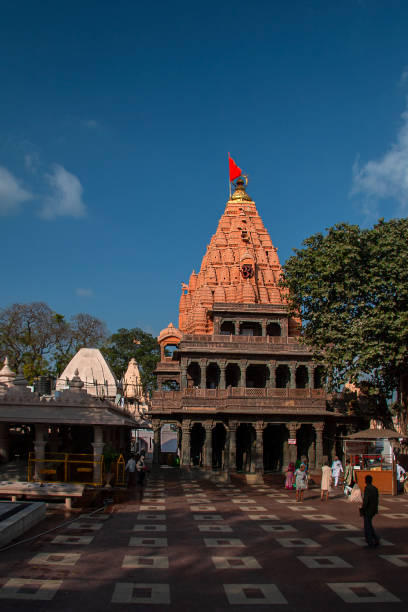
<point x="229" y="180"/>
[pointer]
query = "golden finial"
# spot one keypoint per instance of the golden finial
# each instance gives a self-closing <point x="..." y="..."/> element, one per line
<point x="240" y="193"/>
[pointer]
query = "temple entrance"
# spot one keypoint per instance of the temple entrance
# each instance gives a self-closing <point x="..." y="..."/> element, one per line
<point x="305" y="441"/>
<point x="246" y="440"/>
<point x="197" y="444"/>
<point x="256" y="376"/>
<point x="218" y="446"/>
<point x="274" y="438"/>
<point x="232" y="375"/>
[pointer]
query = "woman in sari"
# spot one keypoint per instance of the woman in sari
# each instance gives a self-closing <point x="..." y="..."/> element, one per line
<point x="301" y="482"/>
<point x="290" y="476"/>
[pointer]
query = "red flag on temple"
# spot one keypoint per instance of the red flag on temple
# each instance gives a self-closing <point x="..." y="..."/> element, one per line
<point x="234" y="170"/>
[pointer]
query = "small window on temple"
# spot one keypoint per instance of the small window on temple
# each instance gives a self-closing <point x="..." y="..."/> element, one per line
<point x="273" y="329"/>
<point x="250" y="329"/>
<point x="227" y="328"/>
<point x="169" y="349"/>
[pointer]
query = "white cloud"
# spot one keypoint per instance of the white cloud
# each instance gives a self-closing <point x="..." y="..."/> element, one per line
<point x="84" y="292"/>
<point x="66" y="196"/>
<point x="386" y="177"/>
<point x="11" y="194"/>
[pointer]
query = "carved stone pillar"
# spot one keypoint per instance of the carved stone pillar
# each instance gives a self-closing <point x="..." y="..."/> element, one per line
<point x="263" y="324"/>
<point x="232" y="460"/>
<point x="223" y="367"/>
<point x="4" y="441"/>
<point x="156" y="442"/>
<point x="203" y="376"/>
<point x="97" y="445"/>
<point x="243" y="367"/>
<point x="272" y="375"/>
<point x="185" y="444"/>
<point x="208" y="446"/>
<point x="318" y="427"/>
<point x="183" y="376"/>
<point x="292" y="382"/>
<point x="311" y="369"/>
<point x="259" y="448"/>
<point x="293" y="427"/>
<point x="225" y="463"/>
<point x="39" y="450"/>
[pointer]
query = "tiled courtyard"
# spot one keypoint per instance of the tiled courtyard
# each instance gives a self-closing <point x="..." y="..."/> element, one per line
<point x="190" y="544"/>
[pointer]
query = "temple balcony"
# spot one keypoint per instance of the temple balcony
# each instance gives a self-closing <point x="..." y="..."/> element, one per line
<point x="231" y="343"/>
<point x="240" y="399"/>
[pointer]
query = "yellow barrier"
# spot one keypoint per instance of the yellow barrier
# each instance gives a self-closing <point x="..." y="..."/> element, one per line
<point x="66" y="467"/>
<point x="120" y="471"/>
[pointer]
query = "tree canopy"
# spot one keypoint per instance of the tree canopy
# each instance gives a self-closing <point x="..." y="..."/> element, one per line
<point x="43" y="341"/>
<point x="128" y="343"/>
<point x="350" y="287"/>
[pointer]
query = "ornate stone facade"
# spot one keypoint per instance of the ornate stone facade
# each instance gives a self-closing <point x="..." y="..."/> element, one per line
<point x="242" y="389"/>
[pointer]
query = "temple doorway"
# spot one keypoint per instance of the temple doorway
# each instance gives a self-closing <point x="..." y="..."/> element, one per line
<point x="246" y="440"/>
<point x="218" y="446"/>
<point x="197" y="444"/>
<point x="305" y="441"/>
<point x="274" y="438"/>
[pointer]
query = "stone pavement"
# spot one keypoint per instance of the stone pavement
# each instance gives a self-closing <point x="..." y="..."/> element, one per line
<point x="192" y="545"/>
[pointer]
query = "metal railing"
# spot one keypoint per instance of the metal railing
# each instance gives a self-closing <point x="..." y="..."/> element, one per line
<point x="74" y="468"/>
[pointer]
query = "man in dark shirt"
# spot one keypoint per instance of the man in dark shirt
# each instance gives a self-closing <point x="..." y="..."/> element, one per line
<point x="368" y="510"/>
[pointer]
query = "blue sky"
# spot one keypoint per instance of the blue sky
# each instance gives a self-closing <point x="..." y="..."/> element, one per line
<point x="117" y="117"/>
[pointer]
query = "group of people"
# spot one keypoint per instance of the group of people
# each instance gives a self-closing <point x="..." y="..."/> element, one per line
<point x="296" y="476"/>
<point x="136" y="469"/>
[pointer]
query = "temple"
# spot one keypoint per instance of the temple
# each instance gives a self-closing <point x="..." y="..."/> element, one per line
<point x="234" y="378"/>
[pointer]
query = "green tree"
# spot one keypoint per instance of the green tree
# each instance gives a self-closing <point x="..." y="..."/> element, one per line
<point x="43" y="341"/>
<point x="350" y="287"/>
<point x="128" y="343"/>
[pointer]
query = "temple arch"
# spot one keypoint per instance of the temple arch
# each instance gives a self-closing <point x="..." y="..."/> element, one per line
<point x="193" y="375"/>
<point x="213" y="376"/>
<point x="218" y="446"/>
<point x="302" y="377"/>
<point x="319" y="377"/>
<point x="282" y="376"/>
<point x="256" y="376"/>
<point x="246" y="440"/>
<point x="274" y="438"/>
<point x="197" y="439"/>
<point x="232" y="375"/>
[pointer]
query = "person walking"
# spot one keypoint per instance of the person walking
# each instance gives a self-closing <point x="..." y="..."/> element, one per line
<point x="337" y="468"/>
<point x="348" y="478"/>
<point x="140" y="467"/>
<point x="401" y="476"/>
<point x="290" y="476"/>
<point x="301" y="482"/>
<point x="325" y="486"/>
<point x="130" y="468"/>
<point x="368" y="510"/>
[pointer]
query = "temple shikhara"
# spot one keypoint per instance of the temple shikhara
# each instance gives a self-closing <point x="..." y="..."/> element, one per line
<point x="233" y="378"/>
